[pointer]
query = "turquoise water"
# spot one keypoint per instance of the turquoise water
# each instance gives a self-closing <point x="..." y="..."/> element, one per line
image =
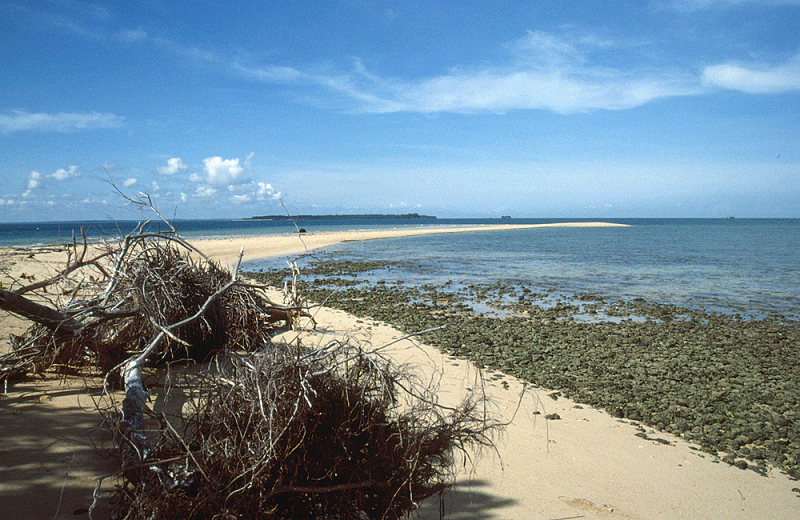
<point x="749" y="266"/>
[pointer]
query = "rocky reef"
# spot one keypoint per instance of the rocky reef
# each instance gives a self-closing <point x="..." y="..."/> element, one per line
<point x="728" y="383"/>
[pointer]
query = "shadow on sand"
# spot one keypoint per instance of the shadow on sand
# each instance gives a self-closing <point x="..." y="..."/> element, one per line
<point x="464" y="501"/>
<point x="49" y="457"/>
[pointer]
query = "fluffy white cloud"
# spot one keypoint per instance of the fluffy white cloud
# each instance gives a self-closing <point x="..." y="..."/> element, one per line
<point x="266" y="191"/>
<point x="755" y="78"/>
<point x="34" y="180"/>
<point x="221" y="172"/>
<point x="174" y="165"/>
<point x="20" y="121"/>
<point x="62" y="174"/>
<point x="155" y="186"/>
<point x="129" y="182"/>
<point x="252" y="191"/>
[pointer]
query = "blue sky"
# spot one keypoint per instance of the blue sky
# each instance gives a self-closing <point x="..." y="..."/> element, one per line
<point x="654" y="108"/>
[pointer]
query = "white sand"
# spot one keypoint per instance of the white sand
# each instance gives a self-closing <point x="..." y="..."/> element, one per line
<point x="227" y="249"/>
<point x="588" y="464"/>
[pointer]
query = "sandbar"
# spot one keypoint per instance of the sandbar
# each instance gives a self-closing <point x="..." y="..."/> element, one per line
<point x="256" y="247"/>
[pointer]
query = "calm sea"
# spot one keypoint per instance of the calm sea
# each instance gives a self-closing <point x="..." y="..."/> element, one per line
<point x="749" y="266"/>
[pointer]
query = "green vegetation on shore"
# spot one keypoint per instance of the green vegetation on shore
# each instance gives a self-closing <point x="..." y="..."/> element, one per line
<point x="370" y="216"/>
<point x="729" y="384"/>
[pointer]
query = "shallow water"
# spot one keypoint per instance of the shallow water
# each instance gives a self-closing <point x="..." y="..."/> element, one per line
<point x="747" y="266"/>
<point x="751" y="267"/>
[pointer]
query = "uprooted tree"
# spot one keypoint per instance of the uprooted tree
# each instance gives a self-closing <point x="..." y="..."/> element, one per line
<point x="275" y="430"/>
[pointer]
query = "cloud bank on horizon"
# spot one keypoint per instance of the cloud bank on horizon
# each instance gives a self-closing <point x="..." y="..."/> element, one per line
<point x="649" y="108"/>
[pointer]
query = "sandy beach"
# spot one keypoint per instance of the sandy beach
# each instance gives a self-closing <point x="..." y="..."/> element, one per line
<point x="227" y="249"/>
<point x="585" y="464"/>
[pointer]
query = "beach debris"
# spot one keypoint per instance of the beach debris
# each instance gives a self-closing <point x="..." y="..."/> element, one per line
<point x="111" y="299"/>
<point x="267" y="430"/>
<point x="291" y="432"/>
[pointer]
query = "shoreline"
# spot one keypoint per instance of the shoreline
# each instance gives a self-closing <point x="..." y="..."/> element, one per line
<point x="265" y="246"/>
<point x="688" y="372"/>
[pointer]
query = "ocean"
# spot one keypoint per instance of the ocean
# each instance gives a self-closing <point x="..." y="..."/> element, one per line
<point x="745" y="266"/>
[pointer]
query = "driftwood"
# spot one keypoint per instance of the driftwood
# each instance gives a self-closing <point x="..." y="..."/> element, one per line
<point x="277" y="431"/>
<point x="145" y="286"/>
<point x="42" y="314"/>
<point x="288" y="432"/>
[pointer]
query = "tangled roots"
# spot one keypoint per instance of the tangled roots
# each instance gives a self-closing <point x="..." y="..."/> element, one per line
<point x="291" y="433"/>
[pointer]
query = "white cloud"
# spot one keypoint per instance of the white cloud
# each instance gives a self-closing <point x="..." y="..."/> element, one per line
<point x="265" y="191"/>
<point x="248" y="192"/>
<point x="20" y="121"/>
<point x="34" y="180"/>
<point x="174" y="165"/>
<point x="220" y="172"/>
<point x="270" y="74"/>
<point x="129" y="182"/>
<point x="184" y="197"/>
<point x="155" y="186"/>
<point x="547" y="71"/>
<point x="563" y="73"/>
<point x="558" y="91"/>
<point x="755" y="78"/>
<point x="204" y="191"/>
<point x="62" y="174"/>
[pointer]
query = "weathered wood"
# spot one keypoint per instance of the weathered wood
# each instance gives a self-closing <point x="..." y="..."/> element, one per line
<point x="42" y="314"/>
<point x="137" y="447"/>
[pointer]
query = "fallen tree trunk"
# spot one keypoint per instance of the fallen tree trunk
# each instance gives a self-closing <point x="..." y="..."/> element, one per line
<point x="47" y="316"/>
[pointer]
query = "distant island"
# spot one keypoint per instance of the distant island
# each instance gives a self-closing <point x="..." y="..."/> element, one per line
<point x="371" y="216"/>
